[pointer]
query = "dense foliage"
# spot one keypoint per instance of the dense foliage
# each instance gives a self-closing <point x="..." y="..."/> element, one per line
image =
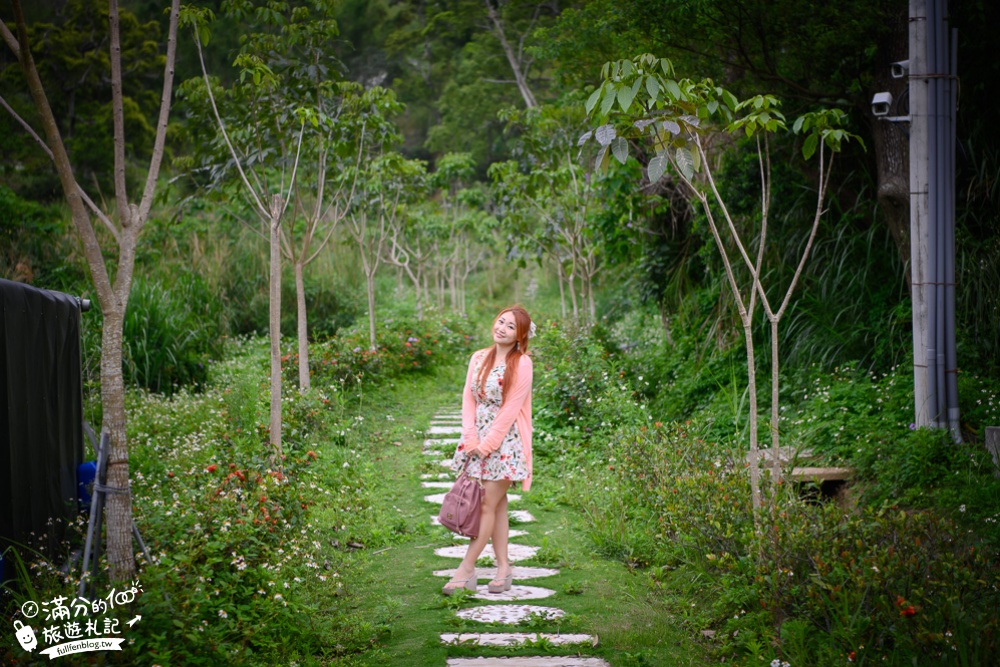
<point x="465" y="171"/>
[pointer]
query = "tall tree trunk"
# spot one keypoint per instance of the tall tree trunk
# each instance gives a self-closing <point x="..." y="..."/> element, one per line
<point x="571" y="278"/>
<point x="752" y="389"/>
<point x="562" y="288"/>
<point x="415" y="278"/>
<point x="274" y="325"/>
<point x="370" y="277"/>
<point x="303" y="329"/>
<point x="119" y="505"/>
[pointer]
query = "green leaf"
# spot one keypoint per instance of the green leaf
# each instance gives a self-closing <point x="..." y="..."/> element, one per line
<point x="797" y="125"/>
<point x="584" y="137"/>
<point x="729" y="100"/>
<point x="619" y="147"/>
<point x="604" y="134"/>
<point x="712" y="106"/>
<point x="809" y="146"/>
<point x="603" y="156"/>
<point x="625" y="97"/>
<point x="609" y="99"/>
<point x="657" y="167"/>
<point x="592" y="100"/>
<point x="652" y="87"/>
<point x="684" y="161"/>
<point x="673" y="89"/>
<point x="672" y="126"/>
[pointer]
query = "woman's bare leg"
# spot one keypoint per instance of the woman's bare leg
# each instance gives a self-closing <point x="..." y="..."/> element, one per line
<point x="501" y="537"/>
<point x="494" y="493"/>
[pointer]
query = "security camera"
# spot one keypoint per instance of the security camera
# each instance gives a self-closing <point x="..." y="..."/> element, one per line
<point x="881" y="103"/>
<point x="900" y="70"/>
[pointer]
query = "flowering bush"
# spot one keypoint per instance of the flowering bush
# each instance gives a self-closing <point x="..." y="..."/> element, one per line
<point x="401" y="347"/>
<point x="244" y="570"/>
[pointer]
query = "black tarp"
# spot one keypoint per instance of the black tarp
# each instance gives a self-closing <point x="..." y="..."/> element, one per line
<point x="41" y="413"/>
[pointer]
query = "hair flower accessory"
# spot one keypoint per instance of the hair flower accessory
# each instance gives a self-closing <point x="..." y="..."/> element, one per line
<point x="531" y="330"/>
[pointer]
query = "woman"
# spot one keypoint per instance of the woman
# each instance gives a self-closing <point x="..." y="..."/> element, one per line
<point x="496" y="439"/>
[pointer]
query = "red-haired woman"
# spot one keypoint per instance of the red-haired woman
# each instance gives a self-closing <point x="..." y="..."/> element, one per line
<point x="496" y="439"/>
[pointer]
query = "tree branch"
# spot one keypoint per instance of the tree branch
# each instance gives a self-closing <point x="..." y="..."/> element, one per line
<point x="262" y="209"/>
<point x="118" y="116"/>
<point x="8" y="37"/>
<point x="161" y="125"/>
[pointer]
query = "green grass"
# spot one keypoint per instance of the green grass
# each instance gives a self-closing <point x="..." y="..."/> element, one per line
<point x="396" y="590"/>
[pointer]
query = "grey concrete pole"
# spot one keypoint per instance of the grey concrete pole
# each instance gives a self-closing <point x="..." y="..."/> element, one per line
<point x="918" y="91"/>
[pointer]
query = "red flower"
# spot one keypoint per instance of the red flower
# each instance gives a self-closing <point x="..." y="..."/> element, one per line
<point x="311" y="454"/>
<point x="851" y="656"/>
<point x="170" y="474"/>
<point x="212" y="468"/>
<point x="908" y="611"/>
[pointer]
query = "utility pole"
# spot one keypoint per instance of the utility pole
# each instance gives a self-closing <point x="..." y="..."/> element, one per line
<point x="932" y="103"/>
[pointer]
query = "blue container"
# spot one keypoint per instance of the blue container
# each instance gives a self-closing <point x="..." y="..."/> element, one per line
<point x="85" y="474"/>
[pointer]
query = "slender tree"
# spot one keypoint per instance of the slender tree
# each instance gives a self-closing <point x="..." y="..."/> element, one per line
<point x="124" y="225"/>
<point x="642" y="100"/>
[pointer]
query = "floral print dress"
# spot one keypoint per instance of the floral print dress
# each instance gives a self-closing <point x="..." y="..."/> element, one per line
<point x="506" y="462"/>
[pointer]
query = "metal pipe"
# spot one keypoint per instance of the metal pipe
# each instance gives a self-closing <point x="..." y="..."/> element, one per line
<point x="940" y="215"/>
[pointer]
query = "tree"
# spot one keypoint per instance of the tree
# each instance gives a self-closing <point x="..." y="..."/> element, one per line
<point x="387" y="181"/>
<point x="264" y="149"/>
<point x="808" y="54"/>
<point x="679" y="117"/>
<point x="550" y="187"/>
<point x="411" y="249"/>
<point x="124" y="226"/>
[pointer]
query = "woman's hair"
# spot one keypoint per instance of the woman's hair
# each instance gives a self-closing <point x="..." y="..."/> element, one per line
<point x="522" y="322"/>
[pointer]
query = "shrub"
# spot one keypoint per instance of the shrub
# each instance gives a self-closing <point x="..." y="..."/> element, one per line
<point x="402" y="346"/>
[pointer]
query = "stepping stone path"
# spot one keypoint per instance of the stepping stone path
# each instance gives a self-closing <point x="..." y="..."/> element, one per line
<point x="449" y="424"/>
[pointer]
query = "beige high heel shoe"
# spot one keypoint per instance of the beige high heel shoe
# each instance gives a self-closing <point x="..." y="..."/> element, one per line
<point x="465" y="583"/>
<point x="500" y="588"/>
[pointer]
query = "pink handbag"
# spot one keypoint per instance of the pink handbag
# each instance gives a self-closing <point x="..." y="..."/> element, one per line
<point x="462" y="505"/>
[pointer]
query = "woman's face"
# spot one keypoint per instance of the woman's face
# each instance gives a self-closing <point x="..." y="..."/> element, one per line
<point x="505" y="329"/>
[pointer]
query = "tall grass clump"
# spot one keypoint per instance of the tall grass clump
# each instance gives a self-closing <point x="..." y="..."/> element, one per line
<point x="171" y="332"/>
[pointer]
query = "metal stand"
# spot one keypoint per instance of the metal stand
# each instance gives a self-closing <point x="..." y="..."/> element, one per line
<point x="92" y="548"/>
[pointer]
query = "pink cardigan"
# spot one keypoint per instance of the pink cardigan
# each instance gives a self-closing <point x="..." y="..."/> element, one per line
<point x="516" y="407"/>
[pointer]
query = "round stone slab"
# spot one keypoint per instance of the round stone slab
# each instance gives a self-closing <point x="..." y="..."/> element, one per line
<point x="513" y="533"/>
<point x="444" y="429"/>
<point x="517" y="592"/>
<point x="513" y="638"/>
<point x="515" y="552"/>
<point x="437" y="485"/>
<point x="439" y="497"/>
<point x="511" y="614"/>
<point x="520" y="572"/>
<point x="445" y="462"/>
<point x="440" y="475"/>
<point x="430" y="452"/>
<point x="527" y="662"/>
<point x="523" y="516"/>
<point x="434" y="442"/>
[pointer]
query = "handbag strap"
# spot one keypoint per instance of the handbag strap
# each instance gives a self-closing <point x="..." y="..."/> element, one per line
<point x="465" y="469"/>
